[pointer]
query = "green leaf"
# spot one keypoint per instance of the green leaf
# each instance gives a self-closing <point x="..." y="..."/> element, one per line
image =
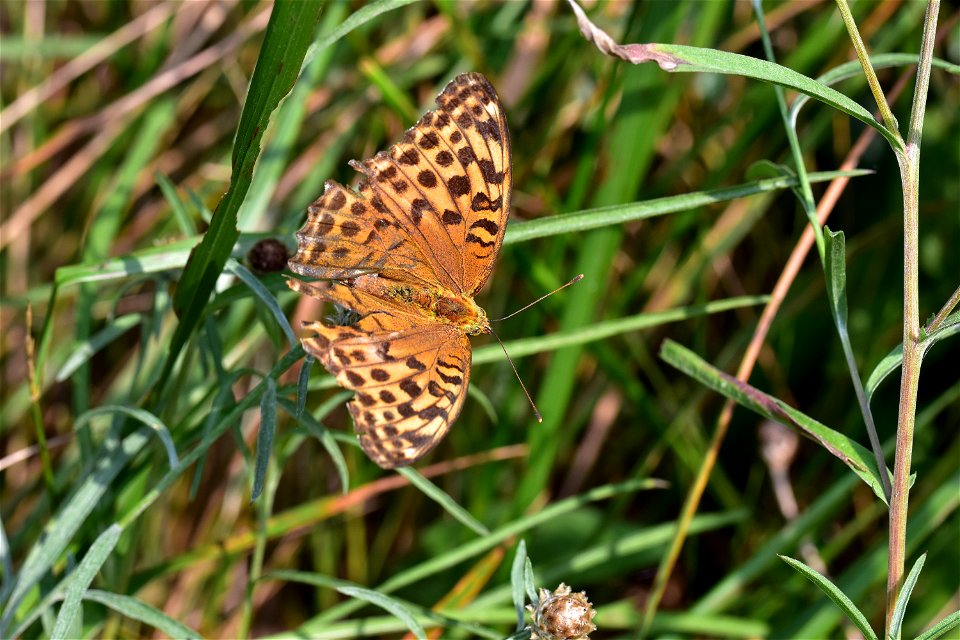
<point x="449" y="505"/>
<point x="682" y="58"/>
<point x="949" y="623"/>
<point x="608" y="328"/>
<point x="901" y="607"/>
<point x="853" y="69"/>
<point x="86" y="349"/>
<point x="141" y="611"/>
<point x="59" y="530"/>
<point x="357" y="18"/>
<point x="621" y="213"/>
<point x="854" y="455"/>
<point x="313" y="427"/>
<point x="285" y="43"/>
<point x="265" y="296"/>
<point x="169" y="191"/>
<point x="81" y="578"/>
<point x="147" y="418"/>
<point x="892" y="361"/>
<point x="834" y="593"/>
<point x="389" y="604"/>
<point x="268" y="428"/>
<point x="836" y="271"/>
<point x="517" y="583"/>
<point x="303" y="382"/>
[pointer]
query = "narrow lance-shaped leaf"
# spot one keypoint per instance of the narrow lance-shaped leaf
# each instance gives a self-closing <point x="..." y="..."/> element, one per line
<point x="901" y="607"/>
<point x="835" y="594"/>
<point x="285" y="43"/>
<point x="682" y="58"/>
<point x="517" y="582"/>
<point x="853" y="454"/>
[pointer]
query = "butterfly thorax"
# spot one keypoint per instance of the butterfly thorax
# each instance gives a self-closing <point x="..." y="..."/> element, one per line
<point x="440" y="305"/>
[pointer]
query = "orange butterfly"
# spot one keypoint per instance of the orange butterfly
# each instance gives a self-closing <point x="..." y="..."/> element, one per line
<point x="407" y="252"/>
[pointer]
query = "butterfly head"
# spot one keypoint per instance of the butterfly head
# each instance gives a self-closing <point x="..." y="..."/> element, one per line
<point x="463" y="312"/>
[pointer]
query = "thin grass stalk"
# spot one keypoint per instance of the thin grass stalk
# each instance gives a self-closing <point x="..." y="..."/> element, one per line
<point x="909" y="160"/>
<point x="780" y="290"/>
<point x="946" y="310"/>
<point x="863" y="55"/>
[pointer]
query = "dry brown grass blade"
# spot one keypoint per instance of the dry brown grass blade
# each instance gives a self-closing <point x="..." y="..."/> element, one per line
<point x="30" y="210"/>
<point x="102" y="50"/>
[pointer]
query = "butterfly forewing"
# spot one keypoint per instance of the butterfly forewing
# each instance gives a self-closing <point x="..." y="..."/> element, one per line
<point x="346" y="236"/>
<point x="407" y="252"/>
<point x="449" y="179"/>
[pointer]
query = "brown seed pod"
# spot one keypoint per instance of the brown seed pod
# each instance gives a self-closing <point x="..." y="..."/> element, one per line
<point x="562" y="615"/>
<point x="268" y="255"/>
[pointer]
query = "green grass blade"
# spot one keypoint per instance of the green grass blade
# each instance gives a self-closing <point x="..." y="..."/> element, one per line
<point x="82" y="576"/>
<point x="389" y="604"/>
<point x="517" y="583"/>
<point x="303" y="381"/>
<point x="900" y="609"/>
<point x="138" y="610"/>
<point x="609" y="328"/>
<point x="443" y="499"/>
<point x="835" y="594"/>
<point x="268" y="428"/>
<point x="313" y="427"/>
<point x="179" y="210"/>
<point x="153" y="422"/>
<point x="363" y="15"/>
<point x="853" y="454"/>
<point x="87" y="348"/>
<point x="949" y="623"/>
<point x="621" y="213"/>
<point x="261" y="292"/>
<point x="476" y="547"/>
<point x="61" y="528"/>
<point x="285" y="43"/>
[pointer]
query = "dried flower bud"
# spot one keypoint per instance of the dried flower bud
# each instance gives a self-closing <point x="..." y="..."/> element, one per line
<point x="562" y="615"/>
<point x="268" y="255"/>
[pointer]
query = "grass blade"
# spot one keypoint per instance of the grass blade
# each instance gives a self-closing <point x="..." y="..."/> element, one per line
<point x="853" y="454"/>
<point x="449" y="505"/>
<point x="389" y="604"/>
<point x="138" y="610"/>
<point x="517" y="583"/>
<point x="268" y="428"/>
<point x="83" y="575"/>
<point x="285" y="43"/>
<point x="901" y="607"/>
<point x="834" y="593"/>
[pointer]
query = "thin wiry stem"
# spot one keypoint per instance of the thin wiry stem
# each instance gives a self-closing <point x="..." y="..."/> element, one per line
<point x="909" y="160"/>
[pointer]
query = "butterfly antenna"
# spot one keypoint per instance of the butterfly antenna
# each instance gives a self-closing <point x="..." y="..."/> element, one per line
<point x="546" y="295"/>
<point x="536" y="412"/>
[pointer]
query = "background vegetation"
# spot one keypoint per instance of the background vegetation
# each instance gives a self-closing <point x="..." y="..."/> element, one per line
<point x="117" y="137"/>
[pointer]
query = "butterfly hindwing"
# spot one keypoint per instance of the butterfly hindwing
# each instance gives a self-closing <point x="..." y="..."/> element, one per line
<point x="410" y="384"/>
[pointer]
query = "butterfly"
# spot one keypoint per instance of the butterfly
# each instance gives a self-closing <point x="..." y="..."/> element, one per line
<point x="406" y="252"/>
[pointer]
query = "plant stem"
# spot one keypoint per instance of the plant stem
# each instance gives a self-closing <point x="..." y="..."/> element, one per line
<point x="888" y="118"/>
<point x="909" y="161"/>
<point x="948" y="307"/>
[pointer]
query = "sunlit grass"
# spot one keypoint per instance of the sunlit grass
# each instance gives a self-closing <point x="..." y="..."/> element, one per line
<point x="646" y="182"/>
